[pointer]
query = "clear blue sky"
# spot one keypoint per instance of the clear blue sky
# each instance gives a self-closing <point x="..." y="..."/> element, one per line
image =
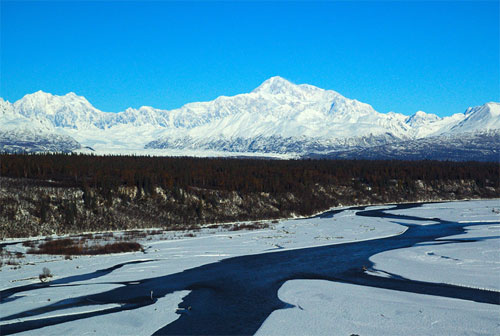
<point x="439" y="57"/>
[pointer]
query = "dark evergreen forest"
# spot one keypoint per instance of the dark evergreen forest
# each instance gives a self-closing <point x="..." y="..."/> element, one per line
<point x="242" y="175"/>
<point x="69" y="192"/>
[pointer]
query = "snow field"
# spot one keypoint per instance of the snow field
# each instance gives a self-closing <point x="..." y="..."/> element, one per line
<point x="330" y="308"/>
<point x="324" y="306"/>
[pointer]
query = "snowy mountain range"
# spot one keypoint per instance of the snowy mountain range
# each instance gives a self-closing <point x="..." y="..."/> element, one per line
<point x="277" y="118"/>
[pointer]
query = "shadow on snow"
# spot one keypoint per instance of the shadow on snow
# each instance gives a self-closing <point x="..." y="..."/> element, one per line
<point x="236" y="295"/>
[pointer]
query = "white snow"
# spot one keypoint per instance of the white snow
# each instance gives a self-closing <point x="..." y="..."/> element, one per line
<point x="480" y="118"/>
<point x="330" y="308"/>
<point x="277" y="108"/>
<point x="141" y="321"/>
<point x="472" y="264"/>
<point x="325" y="306"/>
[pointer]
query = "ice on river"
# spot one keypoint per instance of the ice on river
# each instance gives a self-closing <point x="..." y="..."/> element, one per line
<point x="470" y="259"/>
<point x="354" y="309"/>
<point x="321" y="307"/>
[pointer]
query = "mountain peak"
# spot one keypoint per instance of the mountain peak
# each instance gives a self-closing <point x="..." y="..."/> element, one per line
<point x="38" y="95"/>
<point x="492" y="108"/>
<point x="72" y="95"/>
<point x="304" y="117"/>
<point x="276" y="80"/>
<point x="480" y="118"/>
<point x="275" y="85"/>
<point x="421" y="118"/>
<point x="41" y="97"/>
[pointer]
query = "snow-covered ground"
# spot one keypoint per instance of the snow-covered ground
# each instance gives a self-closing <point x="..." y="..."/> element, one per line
<point x="331" y="308"/>
<point x="467" y="263"/>
<point x="117" y="147"/>
<point x="322" y="306"/>
<point x="319" y="305"/>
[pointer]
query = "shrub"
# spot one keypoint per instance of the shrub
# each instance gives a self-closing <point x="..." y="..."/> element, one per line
<point x="249" y="226"/>
<point x="29" y="243"/>
<point x="69" y="247"/>
<point x="120" y="247"/>
<point x="45" y="274"/>
<point x="60" y="246"/>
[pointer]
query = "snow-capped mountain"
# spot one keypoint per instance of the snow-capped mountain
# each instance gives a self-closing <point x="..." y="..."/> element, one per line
<point x="421" y="119"/>
<point x="473" y="146"/>
<point x="19" y="133"/>
<point x="68" y="111"/>
<point x="486" y="117"/>
<point x="276" y="117"/>
<point x="32" y="141"/>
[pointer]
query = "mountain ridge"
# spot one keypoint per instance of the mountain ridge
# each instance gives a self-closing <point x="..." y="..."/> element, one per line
<point x="276" y="117"/>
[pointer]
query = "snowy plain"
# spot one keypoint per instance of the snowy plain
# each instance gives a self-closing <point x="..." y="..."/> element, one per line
<point x="315" y="306"/>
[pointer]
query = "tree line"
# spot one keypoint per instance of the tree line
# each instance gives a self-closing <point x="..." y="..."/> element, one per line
<point x="228" y="174"/>
<point x="69" y="193"/>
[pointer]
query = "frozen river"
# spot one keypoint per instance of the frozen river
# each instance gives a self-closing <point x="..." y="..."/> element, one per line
<point x="237" y="293"/>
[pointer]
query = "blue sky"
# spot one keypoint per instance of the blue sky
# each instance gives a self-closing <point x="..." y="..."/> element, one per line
<point x="439" y="57"/>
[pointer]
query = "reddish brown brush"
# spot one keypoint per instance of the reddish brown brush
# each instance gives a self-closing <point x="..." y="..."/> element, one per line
<point x="69" y="247"/>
